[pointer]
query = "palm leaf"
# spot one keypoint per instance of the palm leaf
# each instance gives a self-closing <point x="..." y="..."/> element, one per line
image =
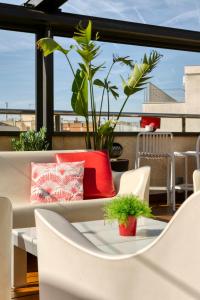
<point x="86" y="48"/>
<point x="79" y="100"/>
<point x="48" y="46"/>
<point x="139" y="77"/>
<point x="83" y="35"/>
<point x="99" y="83"/>
<point x="124" y="60"/>
<point x="114" y="93"/>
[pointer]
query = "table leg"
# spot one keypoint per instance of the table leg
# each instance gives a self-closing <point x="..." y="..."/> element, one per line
<point x="186" y="177"/>
<point x="168" y="181"/>
<point x="19" y="267"/>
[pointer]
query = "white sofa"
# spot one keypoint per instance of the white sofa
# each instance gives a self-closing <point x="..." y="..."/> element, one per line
<point x="15" y="184"/>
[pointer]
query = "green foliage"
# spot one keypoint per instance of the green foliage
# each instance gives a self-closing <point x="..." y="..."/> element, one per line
<point x="138" y="77"/>
<point x="86" y="48"/>
<point x="124" y="206"/>
<point x="85" y="80"/>
<point x="79" y="99"/>
<point x="31" y="141"/>
<point x="48" y="46"/>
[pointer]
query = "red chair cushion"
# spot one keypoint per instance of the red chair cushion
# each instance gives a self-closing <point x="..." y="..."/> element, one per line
<point x="97" y="181"/>
<point x="153" y="121"/>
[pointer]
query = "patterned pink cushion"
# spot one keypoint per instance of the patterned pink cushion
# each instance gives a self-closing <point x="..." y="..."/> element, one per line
<point x="57" y="182"/>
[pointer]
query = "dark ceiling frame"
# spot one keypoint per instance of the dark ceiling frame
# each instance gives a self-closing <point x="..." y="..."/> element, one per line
<point x="42" y="24"/>
<point x="19" y="18"/>
<point x="45" y="5"/>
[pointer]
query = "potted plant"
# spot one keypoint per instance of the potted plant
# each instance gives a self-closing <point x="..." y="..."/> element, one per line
<point x="86" y="80"/>
<point x="31" y="141"/>
<point x="126" y="209"/>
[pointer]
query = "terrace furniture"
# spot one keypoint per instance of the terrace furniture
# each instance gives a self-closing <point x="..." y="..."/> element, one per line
<point x="186" y="154"/>
<point x="196" y="180"/>
<point x="5" y="248"/>
<point x="157" y="146"/>
<point x="75" y="268"/>
<point x="15" y="184"/>
<point x="102" y="234"/>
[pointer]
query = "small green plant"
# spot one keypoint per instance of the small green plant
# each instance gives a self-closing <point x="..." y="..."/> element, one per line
<point x="31" y="141"/>
<point x="124" y="206"/>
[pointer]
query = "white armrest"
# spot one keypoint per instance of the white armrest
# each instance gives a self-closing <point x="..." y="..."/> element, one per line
<point x="196" y="180"/>
<point x="135" y="182"/>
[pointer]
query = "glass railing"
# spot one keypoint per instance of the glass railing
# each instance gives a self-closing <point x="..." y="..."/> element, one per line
<point x="67" y="121"/>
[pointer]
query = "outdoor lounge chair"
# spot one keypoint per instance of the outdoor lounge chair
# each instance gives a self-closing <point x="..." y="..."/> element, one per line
<point x="75" y="269"/>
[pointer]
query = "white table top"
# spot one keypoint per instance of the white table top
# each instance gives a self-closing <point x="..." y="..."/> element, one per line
<point x="103" y="234"/>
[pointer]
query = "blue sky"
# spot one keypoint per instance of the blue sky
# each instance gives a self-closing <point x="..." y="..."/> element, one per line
<point x="17" y="77"/>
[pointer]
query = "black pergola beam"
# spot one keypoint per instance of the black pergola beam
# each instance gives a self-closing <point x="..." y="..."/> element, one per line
<point x="44" y="89"/>
<point x="45" y="5"/>
<point x="13" y="17"/>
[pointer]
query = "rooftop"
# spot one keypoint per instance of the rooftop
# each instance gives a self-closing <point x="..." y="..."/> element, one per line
<point x="81" y="105"/>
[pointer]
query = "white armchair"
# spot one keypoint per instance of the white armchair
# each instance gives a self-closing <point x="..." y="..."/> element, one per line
<point x="135" y="181"/>
<point x="5" y="248"/>
<point x="196" y="180"/>
<point x="71" y="267"/>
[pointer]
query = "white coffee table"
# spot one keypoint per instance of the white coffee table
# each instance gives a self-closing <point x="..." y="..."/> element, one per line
<point x="102" y="234"/>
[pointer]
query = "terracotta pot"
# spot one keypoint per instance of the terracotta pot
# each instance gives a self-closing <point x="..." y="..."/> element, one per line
<point x="128" y="229"/>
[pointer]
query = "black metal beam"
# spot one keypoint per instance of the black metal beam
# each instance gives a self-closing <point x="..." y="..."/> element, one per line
<point x="48" y="93"/>
<point x="39" y="84"/>
<point x="20" y="18"/>
<point x="45" y="5"/>
<point x="44" y="112"/>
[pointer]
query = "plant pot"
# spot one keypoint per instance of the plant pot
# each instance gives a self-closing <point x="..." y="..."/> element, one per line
<point x="128" y="229"/>
<point x="119" y="164"/>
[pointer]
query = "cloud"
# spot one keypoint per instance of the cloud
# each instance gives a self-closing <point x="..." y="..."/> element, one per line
<point x="183" y="17"/>
<point x="17" y="2"/>
<point x="11" y="41"/>
<point x="123" y="10"/>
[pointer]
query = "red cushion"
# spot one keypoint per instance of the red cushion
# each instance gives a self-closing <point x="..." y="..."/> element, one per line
<point x="97" y="181"/>
<point x="153" y="121"/>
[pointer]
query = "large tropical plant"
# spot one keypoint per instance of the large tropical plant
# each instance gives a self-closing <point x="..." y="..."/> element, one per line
<point x="85" y="80"/>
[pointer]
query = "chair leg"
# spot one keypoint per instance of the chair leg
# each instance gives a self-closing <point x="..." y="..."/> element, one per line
<point x="137" y="162"/>
<point x="173" y="195"/>
<point x="186" y="177"/>
<point x="197" y="158"/>
<point x="19" y="267"/>
<point x="168" y="181"/>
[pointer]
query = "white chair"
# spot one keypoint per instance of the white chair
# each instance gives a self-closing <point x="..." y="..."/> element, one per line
<point x="186" y="154"/>
<point x="158" y="145"/>
<point x="133" y="182"/>
<point x="71" y="267"/>
<point x="196" y="181"/>
<point x="5" y="248"/>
